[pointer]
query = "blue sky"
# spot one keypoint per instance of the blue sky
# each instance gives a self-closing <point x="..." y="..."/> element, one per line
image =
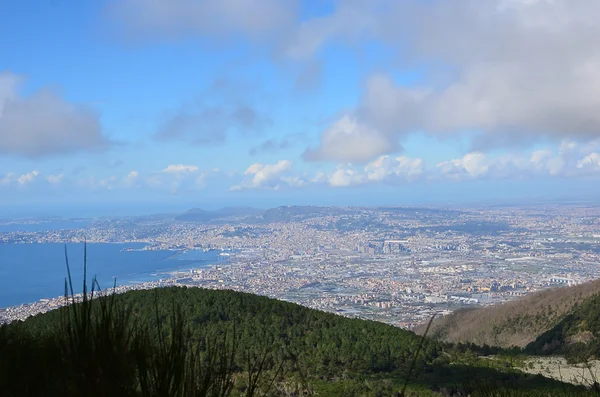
<point x="172" y="103"/>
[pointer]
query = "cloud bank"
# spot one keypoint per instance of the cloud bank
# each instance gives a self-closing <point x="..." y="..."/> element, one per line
<point x="510" y="72"/>
<point x="44" y="124"/>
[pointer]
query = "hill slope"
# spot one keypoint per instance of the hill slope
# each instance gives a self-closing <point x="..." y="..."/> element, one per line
<point x="575" y="336"/>
<point x="322" y="340"/>
<point x="330" y="355"/>
<point x="515" y="323"/>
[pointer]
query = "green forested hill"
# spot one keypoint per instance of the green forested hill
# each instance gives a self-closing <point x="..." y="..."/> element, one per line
<point x="324" y="342"/>
<point x="196" y="342"/>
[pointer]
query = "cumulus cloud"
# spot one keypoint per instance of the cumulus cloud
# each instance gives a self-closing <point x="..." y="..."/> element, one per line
<point x="176" y="179"/>
<point x="514" y="72"/>
<point x="384" y="169"/>
<point x="264" y="175"/>
<point x="131" y="179"/>
<point x="14" y="179"/>
<point x="43" y="124"/>
<point x="472" y="164"/>
<point x="28" y="178"/>
<point x="350" y="140"/>
<point x="568" y="160"/>
<point x="343" y="177"/>
<point x="591" y="160"/>
<point x="508" y="72"/>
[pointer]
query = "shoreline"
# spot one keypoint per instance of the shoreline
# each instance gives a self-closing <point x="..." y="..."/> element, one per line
<point x="23" y="311"/>
<point x="152" y="278"/>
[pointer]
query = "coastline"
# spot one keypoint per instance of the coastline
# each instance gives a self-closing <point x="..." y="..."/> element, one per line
<point x="23" y="311"/>
<point x="150" y="273"/>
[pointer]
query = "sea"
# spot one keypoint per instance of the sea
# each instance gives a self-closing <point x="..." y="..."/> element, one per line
<point x="30" y="272"/>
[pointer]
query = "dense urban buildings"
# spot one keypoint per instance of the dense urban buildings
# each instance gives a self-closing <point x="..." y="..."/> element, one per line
<point x="396" y="265"/>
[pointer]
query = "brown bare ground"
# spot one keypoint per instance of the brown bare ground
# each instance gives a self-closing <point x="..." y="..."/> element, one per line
<point x="558" y="368"/>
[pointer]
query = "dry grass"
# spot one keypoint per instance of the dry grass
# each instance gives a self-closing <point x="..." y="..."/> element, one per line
<point x="558" y="368"/>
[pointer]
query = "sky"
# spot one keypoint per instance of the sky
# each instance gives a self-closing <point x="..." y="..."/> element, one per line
<point x="167" y="104"/>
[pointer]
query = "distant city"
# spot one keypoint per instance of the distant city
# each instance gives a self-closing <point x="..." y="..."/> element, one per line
<point x="391" y="264"/>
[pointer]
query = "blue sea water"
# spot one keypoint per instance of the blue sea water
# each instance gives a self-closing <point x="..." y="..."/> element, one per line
<point x="29" y="272"/>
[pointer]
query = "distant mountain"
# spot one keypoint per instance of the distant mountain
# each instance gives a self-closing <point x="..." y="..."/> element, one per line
<point x="520" y="322"/>
<point x="297" y="212"/>
<point x="422" y="210"/>
<point x="200" y="215"/>
<point x="255" y="215"/>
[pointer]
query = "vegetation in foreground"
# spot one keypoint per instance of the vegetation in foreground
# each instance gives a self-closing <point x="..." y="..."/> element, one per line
<point x="195" y="342"/>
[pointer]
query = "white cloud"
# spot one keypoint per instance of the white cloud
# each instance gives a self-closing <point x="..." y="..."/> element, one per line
<point x="176" y="168"/>
<point x="131" y="178"/>
<point x="349" y="140"/>
<point x="472" y="164"/>
<point x="264" y="175"/>
<point x="343" y="177"/>
<point x="179" y="178"/>
<point x="55" y="179"/>
<point x="569" y="160"/>
<point x="590" y="164"/>
<point x="43" y="124"/>
<point x="385" y="167"/>
<point x="28" y="178"/>
<point x="187" y="179"/>
<point x="513" y="72"/>
<point x="591" y="159"/>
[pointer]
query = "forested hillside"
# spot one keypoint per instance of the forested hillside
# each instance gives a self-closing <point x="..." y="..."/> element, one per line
<point x="324" y="342"/>
<point x="196" y="342"/>
<point x="575" y="336"/>
<point x="515" y="323"/>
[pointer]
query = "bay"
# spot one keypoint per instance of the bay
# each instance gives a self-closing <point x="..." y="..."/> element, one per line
<point x="30" y="272"/>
